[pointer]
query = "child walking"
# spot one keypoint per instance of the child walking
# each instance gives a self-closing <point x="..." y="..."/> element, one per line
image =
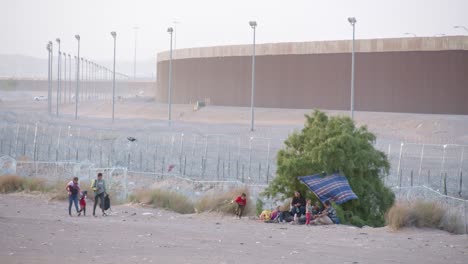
<point x="309" y="209"/>
<point x="84" y="195"/>
<point x="241" y="201"/>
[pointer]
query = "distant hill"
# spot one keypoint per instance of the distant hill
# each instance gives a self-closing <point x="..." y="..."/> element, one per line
<point x="21" y="66"/>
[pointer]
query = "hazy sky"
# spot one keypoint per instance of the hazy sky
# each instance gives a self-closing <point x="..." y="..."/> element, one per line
<point x="27" y="25"/>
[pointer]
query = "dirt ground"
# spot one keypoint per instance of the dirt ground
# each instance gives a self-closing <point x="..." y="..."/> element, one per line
<point x="36" y="230"/>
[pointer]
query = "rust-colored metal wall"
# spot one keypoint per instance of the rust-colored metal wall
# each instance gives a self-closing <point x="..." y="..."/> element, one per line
<point x="400" y="81"/>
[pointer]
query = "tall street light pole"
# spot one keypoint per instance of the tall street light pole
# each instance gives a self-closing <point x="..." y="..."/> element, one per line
<point x="170" y="30"/>
<point x="135" y="52"/>
<point x="69" y="77"/>
<point x="253" y="24"/>
<point x="49" y="78"/>
<point x="114" y="35"/>
<point x="82" y="77"/>
<point x="58" y="75"/>
<point x="66" y="83"/>
<point x="77" y="77"/>
<point x="352" y="21"/>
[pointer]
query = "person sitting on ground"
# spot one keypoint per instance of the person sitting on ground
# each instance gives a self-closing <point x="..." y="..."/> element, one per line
<point x="316" y="210"/>
<point x="275" y="214"/>
<point x="241" y="202"/>
<point x="298" y="204"/>
<point x="328" y="216"/>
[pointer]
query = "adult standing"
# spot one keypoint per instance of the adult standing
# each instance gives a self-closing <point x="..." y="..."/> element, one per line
<point x="99" y="188"/>
<point x="73" y="189"/>
<point x="298" y="204"/>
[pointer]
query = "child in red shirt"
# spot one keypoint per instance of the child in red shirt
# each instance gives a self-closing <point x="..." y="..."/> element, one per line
<point x="241" y="201"/>
<point x="84" y="195"/>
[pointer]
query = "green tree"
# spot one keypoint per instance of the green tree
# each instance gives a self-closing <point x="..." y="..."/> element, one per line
<point x="335" y="144"/>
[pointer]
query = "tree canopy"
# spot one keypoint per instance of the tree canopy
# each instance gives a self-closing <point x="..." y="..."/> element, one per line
<point x="335" y="144"/>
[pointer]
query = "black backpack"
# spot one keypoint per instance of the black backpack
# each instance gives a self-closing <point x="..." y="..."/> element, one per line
<point x="106" y="202"/>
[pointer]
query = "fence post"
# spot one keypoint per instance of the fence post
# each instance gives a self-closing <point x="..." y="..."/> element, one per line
<point x="399" y="163"/>
<point x="461" y="184"/>
<point x="411" y="178"/>
<point x="16" y="140"/>
<point x="442" y="165"/>
<point x="268" y="161"/>
<point x="445" y="183"/>
<point x="250" y="157"/>
<point x="242" y="173"/>
<point x="34" y="151"/>
<point x="25" y="139"/>
<point x="420" y="165"/>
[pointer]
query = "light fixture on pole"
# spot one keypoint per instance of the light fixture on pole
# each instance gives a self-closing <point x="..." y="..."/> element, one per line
<point x="252" y="24"/>
<point x="77" y="77"/>
<point x="114" y="35"/>
<point x="58" y="75"/>
<point x="49" y="77"/>
<point x="352" y="21"/>
<point x="170" y="30"/>
<point x="410" y="34"/>
<point x="461" y="27"/>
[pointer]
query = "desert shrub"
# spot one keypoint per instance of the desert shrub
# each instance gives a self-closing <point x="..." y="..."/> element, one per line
<point x="57" y="190"/>
<point x="221" y="202"/>
<point x="453" y="223"/>
<point x="357" y="221"/>
<point x="168" y="200"/>
<point x="335" y="144"/>
<point x="424" y="214"/>
<point x="13" y="183"/>
<point x="397" y="216"/>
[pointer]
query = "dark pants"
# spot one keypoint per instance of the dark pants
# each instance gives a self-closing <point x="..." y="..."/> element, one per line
<point x="101" y="198"/>
<point x="299" y="210"/>
<point x="72" y="199"/>
<point x="240" y="210"/>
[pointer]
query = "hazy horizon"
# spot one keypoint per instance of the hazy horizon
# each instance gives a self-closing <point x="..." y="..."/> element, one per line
<point x="28" y="25"/>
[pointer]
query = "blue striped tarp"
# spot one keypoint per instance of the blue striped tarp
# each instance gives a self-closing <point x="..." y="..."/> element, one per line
<point x="333" y="187"/>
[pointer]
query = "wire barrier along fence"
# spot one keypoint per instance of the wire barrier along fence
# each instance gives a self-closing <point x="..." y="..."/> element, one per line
<point x="200" y="157"/>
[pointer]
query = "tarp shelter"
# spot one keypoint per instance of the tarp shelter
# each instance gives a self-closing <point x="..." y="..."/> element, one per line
<point x="333" y="187"/>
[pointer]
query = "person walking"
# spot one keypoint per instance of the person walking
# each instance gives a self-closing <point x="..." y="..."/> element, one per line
<point x="99" y="188"/>
<point x="73" y="189"/>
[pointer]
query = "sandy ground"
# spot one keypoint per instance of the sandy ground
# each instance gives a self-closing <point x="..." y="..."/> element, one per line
<point x="36" y="230"/>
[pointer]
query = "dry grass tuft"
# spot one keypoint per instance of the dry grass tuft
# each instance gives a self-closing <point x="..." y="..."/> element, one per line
<point x="168" y="200"/>
<point x="397" y="216"/>
<point x="13" y="183"/>
<point x="221" y="202"/>
<point x="423" y="214"/>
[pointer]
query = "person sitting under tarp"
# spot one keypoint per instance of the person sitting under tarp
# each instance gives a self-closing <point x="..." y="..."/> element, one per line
<point x="298" y="204"/>
<point x="327" y="216"/>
